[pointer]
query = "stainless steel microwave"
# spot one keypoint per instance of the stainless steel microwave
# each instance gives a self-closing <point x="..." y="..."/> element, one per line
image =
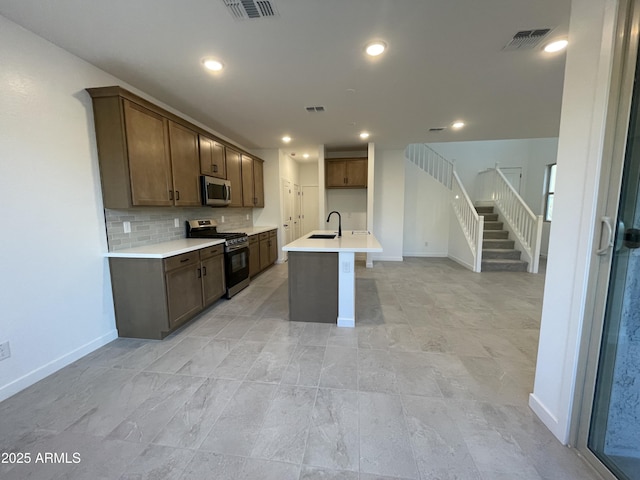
<point x="216" y="192"/>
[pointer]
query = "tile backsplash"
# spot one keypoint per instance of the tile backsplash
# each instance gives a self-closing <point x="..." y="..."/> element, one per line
<point x="156" y="225"/>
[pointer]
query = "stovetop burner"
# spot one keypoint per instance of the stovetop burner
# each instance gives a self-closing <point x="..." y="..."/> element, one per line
<point x="208" y="228"/>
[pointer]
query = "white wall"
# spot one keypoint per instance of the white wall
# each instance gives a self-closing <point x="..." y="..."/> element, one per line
<point x="308" y="173"/>
<point x="426" y="214"/>
<point x="586" y="87"/>
<point x="55" y="293"/>
<point x="270" y="214"/>
<point x="388" y="208"/>
<point x="352" y="205"/>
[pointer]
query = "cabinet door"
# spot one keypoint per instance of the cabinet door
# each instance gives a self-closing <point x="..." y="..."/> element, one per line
<point x="264" y="254"/>
<point x="148" y="153"/>
<point x="273" y="247"/>
<point x="254" y="258"/>
<point x="357" y="172"/>
<point x="213" y="284"/>
<point x="234" y="175"/>
<point x="184" y="293"/>
<point x="336" y="175"/>
<point x="258" y="182"/>
<point x="212" y="158"/>
<point x="185" y="165"/>
<point x="248" y="197"/>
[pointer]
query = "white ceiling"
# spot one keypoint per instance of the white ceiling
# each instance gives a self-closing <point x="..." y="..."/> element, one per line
<point x="444" y="62"/>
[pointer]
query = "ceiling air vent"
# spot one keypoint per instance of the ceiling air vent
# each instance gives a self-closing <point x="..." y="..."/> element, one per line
<point x="317" y="109"/>
<point x="527" y="39"/>
<point x="248" y="9"/>
<point x="436" y="130"/>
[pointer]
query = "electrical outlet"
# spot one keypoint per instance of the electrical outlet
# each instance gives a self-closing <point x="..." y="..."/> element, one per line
<point x="127" y="227"/>
<point x="247" y="216"/>
<point x="5" y="351"/>
<point x="176" y="222"/>
<point x="222" y="219"/>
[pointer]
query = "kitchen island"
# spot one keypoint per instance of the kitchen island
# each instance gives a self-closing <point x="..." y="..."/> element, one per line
<point x="322" y="282"/>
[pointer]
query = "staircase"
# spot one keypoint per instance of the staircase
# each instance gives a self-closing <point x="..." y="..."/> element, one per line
<point x="498" y="254"/>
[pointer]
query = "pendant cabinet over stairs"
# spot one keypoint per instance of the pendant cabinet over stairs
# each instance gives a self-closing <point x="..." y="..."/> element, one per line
<point x="498" y="252"/>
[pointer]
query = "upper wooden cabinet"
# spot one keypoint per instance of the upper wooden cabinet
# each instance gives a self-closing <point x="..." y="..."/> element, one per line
<point x="212" y="158"/>
<point x="146" y="155"/>
<point x="145" y="158"/>
<point x="185" y="166"/>
<point x="346" y="173"/>
<point x="234" y="175"/>
<point x="151" y="157"/>
<point x="252" y="182"/>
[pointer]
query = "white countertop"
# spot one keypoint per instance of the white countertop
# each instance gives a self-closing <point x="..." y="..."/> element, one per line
<point x="349" y="242"/>
<point x="166" y="249"/>
<point x="253" y="230"/>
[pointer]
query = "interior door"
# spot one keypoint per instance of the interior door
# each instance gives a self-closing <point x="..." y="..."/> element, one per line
<point x="297" y="207"/>
<point x="309" y="209"/>
<point x="514" y="176"/>
<point x="610" y="414"/>
<point x="287" y="211"/>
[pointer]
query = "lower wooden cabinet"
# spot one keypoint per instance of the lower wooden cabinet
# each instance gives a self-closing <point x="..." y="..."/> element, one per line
<point x="263" y="251"/>
<point x="153" y="296"/>
<point x="254" y="255"/>
<point x="213" y="281"/>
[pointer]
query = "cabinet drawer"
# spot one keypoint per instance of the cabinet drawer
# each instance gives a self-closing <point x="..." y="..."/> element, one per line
<point x="211" y="251"/>
<point x="254" y="239"/>
<point x="264" y="236"/>
<point x="191" y="258"/>
<point x="273" y="233"/>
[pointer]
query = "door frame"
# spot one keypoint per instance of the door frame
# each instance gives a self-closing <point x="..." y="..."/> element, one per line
<point x="614" y="149"/>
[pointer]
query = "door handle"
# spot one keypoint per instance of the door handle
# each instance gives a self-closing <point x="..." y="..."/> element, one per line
<point x="606" y="221"/>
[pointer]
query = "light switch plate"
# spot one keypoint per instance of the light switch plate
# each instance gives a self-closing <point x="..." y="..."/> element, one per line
<point x="127" y="227"/>
<point x="222" y="219"/>
<point x="176" y="222"/>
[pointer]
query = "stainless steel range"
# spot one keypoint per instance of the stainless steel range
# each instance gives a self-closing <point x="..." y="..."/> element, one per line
<point x="236" y="252"/>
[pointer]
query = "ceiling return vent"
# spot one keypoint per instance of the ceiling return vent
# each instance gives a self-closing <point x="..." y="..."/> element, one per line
<point x="250" y="9"/>
<point x="318" y="109"/>
<point x="527" y="39"/>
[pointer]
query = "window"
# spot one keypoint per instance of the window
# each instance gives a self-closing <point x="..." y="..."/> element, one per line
<point x="549" y="190"/>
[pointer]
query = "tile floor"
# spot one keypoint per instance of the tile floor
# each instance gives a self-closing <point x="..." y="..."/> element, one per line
<point x="432" y="383"/>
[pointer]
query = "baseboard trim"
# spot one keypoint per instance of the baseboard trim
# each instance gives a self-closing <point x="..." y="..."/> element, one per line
<point x="39" y="373"/>
<point x="346" y="322"/>
<point x="461" y="262"/>
<point x="425" y="254"/>
<point x="387" y="259"/>
<point x="550" y="420"/>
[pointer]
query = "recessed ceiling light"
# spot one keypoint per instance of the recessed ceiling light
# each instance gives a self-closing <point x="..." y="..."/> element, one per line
<point x="375" y="48"/>
<point x="212" y="64"/>
<point x="457" y="124"/>
<point x="286" y="139"/>
<point x="556" y="46"/>
<point x="364" y="135"/>
<point x="305" y="155"/>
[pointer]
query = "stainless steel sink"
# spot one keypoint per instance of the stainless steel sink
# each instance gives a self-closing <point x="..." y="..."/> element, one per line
<point x="326" y="236"/>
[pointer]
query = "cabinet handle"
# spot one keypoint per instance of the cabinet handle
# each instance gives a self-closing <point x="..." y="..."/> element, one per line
<point x="177" y="194"/>
<point x="184" y="260"/>
<point x="215" y="168"/>
<point x="170" y="194"/>
<point x="204" y="271"/>
<point x="199" y="273"/>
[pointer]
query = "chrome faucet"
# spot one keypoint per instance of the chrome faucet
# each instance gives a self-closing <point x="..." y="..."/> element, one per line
<point x="339" y="222"/>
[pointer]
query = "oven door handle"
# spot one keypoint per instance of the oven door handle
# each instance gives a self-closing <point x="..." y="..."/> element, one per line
<point x="237" y="247"/>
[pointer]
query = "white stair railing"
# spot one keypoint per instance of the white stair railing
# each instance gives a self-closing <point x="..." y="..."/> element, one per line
<point x="471" y="223"/>
<point x="525" y="225"/>
<point x="431" y="162"/>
